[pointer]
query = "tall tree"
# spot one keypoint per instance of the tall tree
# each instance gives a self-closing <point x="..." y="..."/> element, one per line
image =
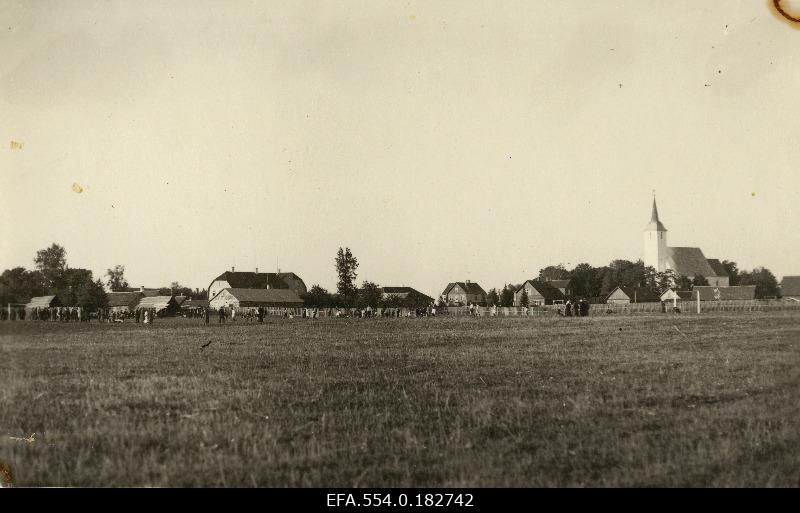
<point x="91" y="295"/>
<point x="733" y="272"/>
<point x="369" y="295"/>
<point x="346" y="265"/>
<point x="699" y="279"/>
<point x="51" y="262"/>
<point x="492" y="298"/>
<point x="116" y="279"/>
<point x="18" y="285"/>
<point x="765" y="282"/>
<point x="317" y="297"/>
<point x="523" y="301"/>
<point x="553" y="272"/>
<point x="507" y="296"/>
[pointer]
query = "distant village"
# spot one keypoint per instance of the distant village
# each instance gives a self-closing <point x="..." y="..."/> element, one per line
<point x="664" y="274"/>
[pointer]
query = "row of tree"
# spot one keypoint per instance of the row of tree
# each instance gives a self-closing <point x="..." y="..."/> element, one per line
<point x="73" y="286"/>
<point x="587" y="281"/>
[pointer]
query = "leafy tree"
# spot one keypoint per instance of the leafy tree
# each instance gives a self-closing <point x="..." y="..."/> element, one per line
<point x="507" y="296"/>
<point x="91" y="295"/>
<point x="317" y="297"/>
<point x="346" y="265"/>
<point x="18" y="285"/>
<point x="765" y="282"/>
<point x="683" y="283"/>
<point x="523" y="301"/>
<point x="116" y="279"/>
<point x="585" y="280"/>
<point x="51" y="262"/>
<point x="369" y="295"/>
<point x="699" y="279"/>
<point x="733" y="272"/>
<point x="553" y="272"/>
<point x="492" y="298"/>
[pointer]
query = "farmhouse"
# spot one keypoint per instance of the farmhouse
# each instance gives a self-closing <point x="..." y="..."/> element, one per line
<point x="405" y="296"/>
<point x="463" y="293"/>
<point x="739" y="292"/>
<point x="626" y="295"/>
<point x="247" y="280"/>
<point x="790" y="287"/>
<point x="237" y="298"/>
<point x="539" y="293"/>
<point x="685" y="261"/>
<point x="123" y="301"/>
<point x="164" y="306"/>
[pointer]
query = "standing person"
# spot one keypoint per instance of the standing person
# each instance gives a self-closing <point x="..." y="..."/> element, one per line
<point x="233" y="314"/>
<point x="260" y="314"/>
<point x="138" y="315"/>
<point x="568" y="308"/>
<point x="147" y="316"/>
<point x="205" y="310"/>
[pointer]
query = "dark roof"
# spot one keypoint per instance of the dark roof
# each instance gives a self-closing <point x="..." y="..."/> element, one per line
<point x="471" y="287"/>
<point x="265" y="295"/>
<point x="654" y="223"/>
<point x="396" y="290"/>
<point x="248" y="280"/>
<point x="195" y="303"/>
<point x="710" y="293"/>
<point x="546" y="289"/>
<point x="559" y="284"/>
<point x="717" y="267"/>
<point x="180" y="299"/>
<point x="123" y="298"/>
<point x="690" y="261"/>
<point x="790" y="286"/>
<point x="637" y="294"/>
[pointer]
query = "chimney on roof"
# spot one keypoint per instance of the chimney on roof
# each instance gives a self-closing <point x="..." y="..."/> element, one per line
<point x="233" y="269"/>
<point x="467" y="281"/>
<point x="256" y="270"/>
<point x="141" y="289"/>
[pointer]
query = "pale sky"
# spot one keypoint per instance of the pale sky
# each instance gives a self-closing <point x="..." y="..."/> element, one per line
<point x="440" y="141"/>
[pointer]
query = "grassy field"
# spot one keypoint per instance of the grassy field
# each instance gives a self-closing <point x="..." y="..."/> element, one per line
<point x="711" y="400"/>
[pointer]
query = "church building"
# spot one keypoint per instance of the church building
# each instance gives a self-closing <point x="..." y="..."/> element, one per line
<point x="684" y="261"/>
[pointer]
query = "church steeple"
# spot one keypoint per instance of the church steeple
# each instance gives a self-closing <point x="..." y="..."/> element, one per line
<point x="654" y="225"/>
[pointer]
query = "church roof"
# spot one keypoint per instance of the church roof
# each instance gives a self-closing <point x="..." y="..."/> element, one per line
<point x="689" y="261"/>
<point x="655" y="224"/>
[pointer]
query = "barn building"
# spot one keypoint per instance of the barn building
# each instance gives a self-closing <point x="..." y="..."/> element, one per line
<point x="406" y="297"/>
<point x="627" y="295"/>
<point x="539" y="293"/>
<point x="464" y="293"/>
<point x="738" y="292"/>
<point x="255" y="280"/>
<point x="790" y="287"/>
<point x="562" y="285"/>
<point x="123" y="301"/>
<point x="42" y="302"/>
<point x="240" y="298"/>
<point x="165" y="306"/>
<point x="685" y="261"/>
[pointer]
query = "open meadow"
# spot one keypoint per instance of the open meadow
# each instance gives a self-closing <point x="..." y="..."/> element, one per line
<point x="638" y="400"/>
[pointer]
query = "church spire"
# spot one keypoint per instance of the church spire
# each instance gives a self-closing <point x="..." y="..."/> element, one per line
<point x="655" y="224"/>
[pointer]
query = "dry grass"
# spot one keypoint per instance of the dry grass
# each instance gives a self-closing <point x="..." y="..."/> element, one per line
<point x="624" y="401"/>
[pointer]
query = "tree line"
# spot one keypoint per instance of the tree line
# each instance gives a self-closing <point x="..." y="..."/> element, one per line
<point x="587" y="281"/>
<point x="52" y="275"/>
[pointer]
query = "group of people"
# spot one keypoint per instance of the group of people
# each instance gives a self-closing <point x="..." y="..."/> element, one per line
<point x="577" y="308"/>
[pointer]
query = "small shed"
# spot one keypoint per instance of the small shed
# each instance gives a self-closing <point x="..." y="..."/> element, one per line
<point x="43" y="302"/>
<point x="123" y="301"/>
<point x="165" y="306"/>
<point x="626" y="295"/>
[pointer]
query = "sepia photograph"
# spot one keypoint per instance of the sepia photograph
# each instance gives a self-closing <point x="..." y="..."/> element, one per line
<point x="400" y="252"/>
